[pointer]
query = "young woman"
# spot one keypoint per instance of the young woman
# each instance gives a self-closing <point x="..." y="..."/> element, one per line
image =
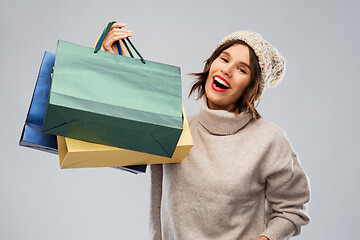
<point x="242" y="179"/>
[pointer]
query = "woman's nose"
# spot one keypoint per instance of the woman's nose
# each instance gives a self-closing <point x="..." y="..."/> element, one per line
<point x="226" y="70"/>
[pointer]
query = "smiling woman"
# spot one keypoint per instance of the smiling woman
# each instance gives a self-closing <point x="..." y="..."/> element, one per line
<point x="242" y="179"/>
<point x="236" y="60"/>
<point x="231" y="65"/>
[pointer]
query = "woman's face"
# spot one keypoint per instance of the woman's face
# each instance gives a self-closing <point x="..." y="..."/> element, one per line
<point x="228" y="77"/>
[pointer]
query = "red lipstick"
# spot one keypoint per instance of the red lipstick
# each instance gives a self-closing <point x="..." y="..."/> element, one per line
<point x="218" y="89"/>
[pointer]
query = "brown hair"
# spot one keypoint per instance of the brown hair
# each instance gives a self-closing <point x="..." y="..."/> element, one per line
<point x="250" y="94"/>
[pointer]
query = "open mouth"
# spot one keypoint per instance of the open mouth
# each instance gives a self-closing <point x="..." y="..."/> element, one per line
<point x="220" y="84"/>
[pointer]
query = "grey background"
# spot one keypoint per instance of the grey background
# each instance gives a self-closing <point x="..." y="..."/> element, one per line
<point x="316" y="105"/>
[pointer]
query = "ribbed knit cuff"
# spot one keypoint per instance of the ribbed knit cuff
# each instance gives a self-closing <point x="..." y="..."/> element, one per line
<point x="279" y="229"/>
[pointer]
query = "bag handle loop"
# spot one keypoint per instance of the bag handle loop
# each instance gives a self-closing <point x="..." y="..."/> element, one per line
<point x="101" y="39"/>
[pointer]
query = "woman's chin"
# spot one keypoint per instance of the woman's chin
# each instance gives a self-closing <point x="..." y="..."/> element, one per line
<point x="216" y="104"/>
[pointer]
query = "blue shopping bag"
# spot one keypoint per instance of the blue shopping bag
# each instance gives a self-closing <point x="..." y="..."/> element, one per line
<point x="32" y="135"/>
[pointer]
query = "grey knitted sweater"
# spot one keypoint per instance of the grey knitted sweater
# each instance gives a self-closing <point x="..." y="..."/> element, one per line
<point x="242" y="179"/>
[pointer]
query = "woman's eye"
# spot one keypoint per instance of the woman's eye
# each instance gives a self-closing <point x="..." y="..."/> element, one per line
<point x="224" y="59"/>
<point x="242" y="70"/>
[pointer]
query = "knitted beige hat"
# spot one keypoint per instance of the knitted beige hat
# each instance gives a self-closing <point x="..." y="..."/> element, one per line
<point x="272" y="64"/>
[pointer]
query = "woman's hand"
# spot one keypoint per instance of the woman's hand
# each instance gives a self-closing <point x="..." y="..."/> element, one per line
<point x="114" y="35"/>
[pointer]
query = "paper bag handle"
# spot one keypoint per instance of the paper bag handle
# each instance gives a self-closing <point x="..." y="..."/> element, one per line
<point x="102" y="38"/>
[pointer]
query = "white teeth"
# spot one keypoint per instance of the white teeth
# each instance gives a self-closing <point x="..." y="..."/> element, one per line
<point x="221" y="81"/>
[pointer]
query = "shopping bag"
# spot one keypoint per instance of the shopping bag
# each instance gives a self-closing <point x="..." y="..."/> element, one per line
<point x="115" y="100"/>
<point x="32" y="135"/>
<point x="80" y="154"/>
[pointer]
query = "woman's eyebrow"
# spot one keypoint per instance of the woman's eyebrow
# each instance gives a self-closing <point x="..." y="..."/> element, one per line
<point x="243" y="63"/>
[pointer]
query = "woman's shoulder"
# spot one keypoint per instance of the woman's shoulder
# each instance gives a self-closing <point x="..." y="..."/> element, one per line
<point x="267" y="125"/>
<point x="269" y="130"/>
<point x="273" y="142"/>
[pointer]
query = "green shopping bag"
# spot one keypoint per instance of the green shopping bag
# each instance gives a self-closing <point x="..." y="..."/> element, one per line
<point x="114" y="100"/>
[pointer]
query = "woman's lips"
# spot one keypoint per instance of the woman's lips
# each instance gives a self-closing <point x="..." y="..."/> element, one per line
<point x="221" y="81"/>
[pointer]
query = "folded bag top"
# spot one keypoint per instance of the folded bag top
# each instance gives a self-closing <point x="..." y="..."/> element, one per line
<point x="115" y="100"/>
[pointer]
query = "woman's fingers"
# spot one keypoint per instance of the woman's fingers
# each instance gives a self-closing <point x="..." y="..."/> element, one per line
<point x="109" y="44"/>
<point x="117" y="25"/>
<point x="115" y="36"/>
<point x="120" y="31"/>
<point x="116" y="33"/>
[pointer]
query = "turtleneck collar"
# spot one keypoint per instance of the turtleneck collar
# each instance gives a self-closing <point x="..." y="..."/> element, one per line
<point x="221" y="122"/>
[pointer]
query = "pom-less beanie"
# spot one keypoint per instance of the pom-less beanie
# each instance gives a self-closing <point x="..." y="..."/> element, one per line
<point x="272" y="64"/>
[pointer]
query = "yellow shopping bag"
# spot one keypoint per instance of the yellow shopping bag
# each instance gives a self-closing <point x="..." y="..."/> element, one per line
<point x="80" y="154"/>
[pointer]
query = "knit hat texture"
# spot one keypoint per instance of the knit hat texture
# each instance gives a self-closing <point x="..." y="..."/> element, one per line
<point x="272" y="64"/>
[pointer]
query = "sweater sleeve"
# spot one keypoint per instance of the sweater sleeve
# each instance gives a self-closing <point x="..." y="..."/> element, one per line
<point x="287" y="194"/>
<point x="155" y="201"/>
